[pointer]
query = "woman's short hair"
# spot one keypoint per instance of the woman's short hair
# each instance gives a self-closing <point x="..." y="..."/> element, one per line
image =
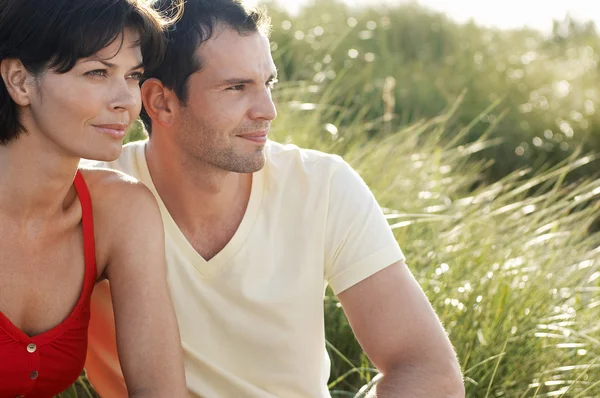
<point x="54" y="34"/>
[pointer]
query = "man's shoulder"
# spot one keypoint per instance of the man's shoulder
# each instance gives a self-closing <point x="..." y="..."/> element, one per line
<point x="294" y="170"/>
<point x="291" y="158"/>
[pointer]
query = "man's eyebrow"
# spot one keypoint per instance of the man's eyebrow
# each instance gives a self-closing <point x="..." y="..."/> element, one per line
<point x="237" y="81"/>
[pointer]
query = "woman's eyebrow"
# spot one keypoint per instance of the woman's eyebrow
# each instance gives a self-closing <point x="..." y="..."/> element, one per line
<point x="110" y="65"/>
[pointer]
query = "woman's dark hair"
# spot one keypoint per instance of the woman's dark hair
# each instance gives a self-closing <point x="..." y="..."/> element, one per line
<point x="54" y="34"/>
<point x="197" y="25"/>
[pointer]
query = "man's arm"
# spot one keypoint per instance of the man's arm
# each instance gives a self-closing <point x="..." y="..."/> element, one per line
<point x="399" y="331"/>
<point x="387" y="309"/>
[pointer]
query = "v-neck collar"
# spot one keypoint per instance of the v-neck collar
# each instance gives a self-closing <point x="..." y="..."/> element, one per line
<point x="221" y="260"/>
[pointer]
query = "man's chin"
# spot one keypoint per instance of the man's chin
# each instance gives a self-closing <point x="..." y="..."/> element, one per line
<point x="250" y="163"/>
<point x="258" y="164"/>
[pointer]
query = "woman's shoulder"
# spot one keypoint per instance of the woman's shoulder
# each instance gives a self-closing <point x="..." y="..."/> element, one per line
<point x="107" y="185"/>
<point x="125" y="213"/>
<point x="119" y="199"/>
<point x="98" y="175"/>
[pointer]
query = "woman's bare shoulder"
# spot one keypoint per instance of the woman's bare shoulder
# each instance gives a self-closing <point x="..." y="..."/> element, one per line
<point x="121" y="203"/>
<point x="110" y="187"/>
<point x="106" y="177"/>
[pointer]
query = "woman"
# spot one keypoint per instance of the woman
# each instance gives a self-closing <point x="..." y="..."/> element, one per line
<point x="70" y="87"/>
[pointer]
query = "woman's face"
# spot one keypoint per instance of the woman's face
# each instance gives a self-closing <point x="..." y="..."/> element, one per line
<point x="86" y="111"/>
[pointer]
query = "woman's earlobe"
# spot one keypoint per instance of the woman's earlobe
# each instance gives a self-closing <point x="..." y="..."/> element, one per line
<point x="16" y="79"/>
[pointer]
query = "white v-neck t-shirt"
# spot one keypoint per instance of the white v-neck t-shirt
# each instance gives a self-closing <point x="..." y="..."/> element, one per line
<point x="251" y="318"/>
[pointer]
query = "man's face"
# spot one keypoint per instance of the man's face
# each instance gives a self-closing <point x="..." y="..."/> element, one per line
<point x="229" y="108"/>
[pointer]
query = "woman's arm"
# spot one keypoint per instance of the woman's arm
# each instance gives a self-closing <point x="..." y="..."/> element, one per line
<point x="147" y="334"/>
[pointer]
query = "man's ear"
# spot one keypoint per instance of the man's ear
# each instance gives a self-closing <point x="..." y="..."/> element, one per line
<point x="16" y="80"/>
<point x="160" y="103"/>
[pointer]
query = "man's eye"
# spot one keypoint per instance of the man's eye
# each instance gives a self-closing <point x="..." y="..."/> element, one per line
<point x="239" y="87"/>
<point x="271" y="83"/>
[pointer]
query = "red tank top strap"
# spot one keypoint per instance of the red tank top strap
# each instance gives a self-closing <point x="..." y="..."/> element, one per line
<point x="87" y="225"/>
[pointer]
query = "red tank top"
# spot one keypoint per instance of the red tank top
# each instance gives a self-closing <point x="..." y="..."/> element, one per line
<point x="45" y="365"/>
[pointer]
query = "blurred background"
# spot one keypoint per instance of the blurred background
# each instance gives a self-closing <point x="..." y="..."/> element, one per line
<point x="538" y="59"/>
<point x="475" y="125"/>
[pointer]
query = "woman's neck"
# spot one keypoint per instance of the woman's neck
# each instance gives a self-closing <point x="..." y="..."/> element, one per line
<point x="36" y="177"/>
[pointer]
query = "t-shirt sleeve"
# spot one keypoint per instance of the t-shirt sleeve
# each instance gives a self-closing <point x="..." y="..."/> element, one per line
<point x="358" y="241"/>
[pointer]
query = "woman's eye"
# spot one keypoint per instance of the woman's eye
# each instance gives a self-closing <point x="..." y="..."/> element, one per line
<point x="97" y="72"/>
<point x="136" y="76"/>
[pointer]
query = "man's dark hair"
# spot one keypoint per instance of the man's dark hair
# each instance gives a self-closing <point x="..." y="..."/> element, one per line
<point x="196" y="26"/>
<point x="54" y="34"/>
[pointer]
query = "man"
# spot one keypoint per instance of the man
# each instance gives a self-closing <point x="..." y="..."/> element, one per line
<point x="256" y="230"/>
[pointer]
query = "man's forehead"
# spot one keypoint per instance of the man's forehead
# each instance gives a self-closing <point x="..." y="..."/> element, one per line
<point x="227" y="51"/>
<point x="226" y="41"/>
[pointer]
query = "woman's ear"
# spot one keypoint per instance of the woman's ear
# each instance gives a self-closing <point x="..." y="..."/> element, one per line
<point x="16" y="80"/>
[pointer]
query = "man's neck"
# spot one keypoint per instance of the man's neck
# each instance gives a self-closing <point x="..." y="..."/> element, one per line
<point x="206" y="203"/>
